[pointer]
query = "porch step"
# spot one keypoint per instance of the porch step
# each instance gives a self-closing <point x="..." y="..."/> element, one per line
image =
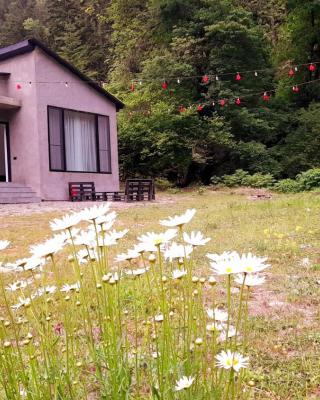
<point x="14" y="193"/>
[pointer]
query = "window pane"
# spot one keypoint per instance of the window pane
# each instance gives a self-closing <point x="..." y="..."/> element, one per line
<point x="104" y="144"/>
<point x="55" y="139"/>
<point x="80" y="141"/>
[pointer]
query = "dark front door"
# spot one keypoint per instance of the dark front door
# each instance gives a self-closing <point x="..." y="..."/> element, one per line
<point x="4" y="153"/>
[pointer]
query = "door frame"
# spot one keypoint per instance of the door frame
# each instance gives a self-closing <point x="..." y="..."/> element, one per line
<point x="7" y="150"/>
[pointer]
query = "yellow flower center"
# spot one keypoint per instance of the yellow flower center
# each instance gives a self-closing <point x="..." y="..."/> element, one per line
<point x="157" y="241"/>
<point x="235" y="362"/>
<point x="228" y="270"/>
<point x="249" y="269"/>
<point x="229" y="363"/>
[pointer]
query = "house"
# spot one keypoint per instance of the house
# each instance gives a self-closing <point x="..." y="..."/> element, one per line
<point x="56" y="126"/>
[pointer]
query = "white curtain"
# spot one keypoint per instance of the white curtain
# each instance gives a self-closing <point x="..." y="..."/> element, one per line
<point x="80" y="142"/>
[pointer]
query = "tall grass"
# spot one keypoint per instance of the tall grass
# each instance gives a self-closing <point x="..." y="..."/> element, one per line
<point x="137" y="325"/>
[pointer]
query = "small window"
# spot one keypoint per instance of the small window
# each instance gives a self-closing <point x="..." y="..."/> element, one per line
<point x="104" y="144"/>
<point x="78" y="141"/>
<point x="56" y="147"/>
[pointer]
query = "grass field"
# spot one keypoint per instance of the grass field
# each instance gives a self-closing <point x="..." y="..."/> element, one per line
<point x="284" y="313"/>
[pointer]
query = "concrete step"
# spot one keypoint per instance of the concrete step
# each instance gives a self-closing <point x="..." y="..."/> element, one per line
<point x="11" y="193"/>
<point x="11" y="185"/>
<point x="17" y="194"/>
<point x="18" y="200"/>
<point x="10" y="189"/>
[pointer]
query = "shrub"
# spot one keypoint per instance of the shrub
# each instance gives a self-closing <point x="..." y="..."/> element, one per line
<point x="310" y="179"/>
<point x="236" y="179"/>
<point x="259" y="180"/>
<point x="162" y="184"/>
<point x="287" y="186"/>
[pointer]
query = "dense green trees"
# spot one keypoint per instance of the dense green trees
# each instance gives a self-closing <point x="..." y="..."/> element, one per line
<point x="123" y="42"/>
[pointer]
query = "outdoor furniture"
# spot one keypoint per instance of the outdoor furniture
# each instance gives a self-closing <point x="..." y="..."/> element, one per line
<point x="84" y="191"/>
<point x="135" y="190"/>
<point x="139" y="189"/>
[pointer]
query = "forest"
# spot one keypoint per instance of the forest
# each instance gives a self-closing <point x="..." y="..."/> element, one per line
<point x="210" y="86"/>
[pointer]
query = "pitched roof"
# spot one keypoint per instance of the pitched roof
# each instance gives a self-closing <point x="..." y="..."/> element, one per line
<point x="29" y="45"/>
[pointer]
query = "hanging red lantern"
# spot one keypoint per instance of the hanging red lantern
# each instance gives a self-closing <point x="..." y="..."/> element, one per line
<point x="205" y="79"/>
<point x="291" y="73"/>
<point x="164" y="85"/>
<point x="18" y="86"/>
<point x="238" y="77"/>
<point x="312" y="67"/>
<point x="295" y="89"/>
<point x="238" y="101"/>
<point x="200" y="108"/>
<point x="265" y="96"/>
<point x="132" y="87"/>
<point x="222" y="102"/>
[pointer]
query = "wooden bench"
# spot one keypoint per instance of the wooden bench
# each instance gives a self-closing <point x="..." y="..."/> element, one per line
<point x="135" y="190"/>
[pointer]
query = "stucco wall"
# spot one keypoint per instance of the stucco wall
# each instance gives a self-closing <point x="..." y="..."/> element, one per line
<point x="77" y="96"/>
<point x="24" y="141"/>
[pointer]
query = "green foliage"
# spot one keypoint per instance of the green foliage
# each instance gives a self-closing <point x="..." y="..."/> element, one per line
<point x="236" y="179"/>
<point x="243" y="178"/>
<point x="310" y="179"/>
<point x="259" y="180"/>
<point x="287" y="186"/>
<point x="162" y="184"/>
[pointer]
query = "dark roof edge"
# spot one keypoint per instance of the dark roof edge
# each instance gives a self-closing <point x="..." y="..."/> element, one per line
<point x="30" y="44"/>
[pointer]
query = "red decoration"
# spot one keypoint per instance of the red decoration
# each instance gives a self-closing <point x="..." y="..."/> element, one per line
<point x="291" y="73"/>
<point x="238" y="77"/>
<point x="312" y="67"/>
<point x="164" y="85"/>
<point x="295" y="89"/>
<point x="222" y="102"/>
<point x="199" y="108"/>
<point x="238" y="101"/>
<point x="132" y="87"/>
<point x="266" y="97"/>
<point x="182" y="109"/>
<point x="18" y="86"/>
<point x="205" y="79"/>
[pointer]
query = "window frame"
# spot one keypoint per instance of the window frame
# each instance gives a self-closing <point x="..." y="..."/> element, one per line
<point x="63" y="151"/>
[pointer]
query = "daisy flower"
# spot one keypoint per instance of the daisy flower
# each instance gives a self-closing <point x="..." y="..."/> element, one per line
<point x="128" y="256"/>
<point x="29" y="264"/>
<point x="47" y="248"/>
<point x="68" y="288"/>
<point x="85" y="238"/>
<point x="179" y="220"/>
<point x="178" y="273"/>
<point x="252" y="264"/>
<point x="250" y="279"/>
<point x="177" y="251"/>
<point x="92" y="213"/>
<point x="217" y="314"/>
<point x="13" y="287"/>
<point x="116" y="235"/>
<point x="21" y="303"/>
<point x="195" y="238"/>
<point x="226" y="264"/>
<point x="107" y="220"/>
<point x="228" y="360"/>
<point x="66" y="222"/>
<point x="4" y="244"/>
<point x="184" y="383"/>
<point x="156" y="239"/>
<point x="159" y="318"/>
<point x="231" y="332"/>
<point x="136" y="272"/>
